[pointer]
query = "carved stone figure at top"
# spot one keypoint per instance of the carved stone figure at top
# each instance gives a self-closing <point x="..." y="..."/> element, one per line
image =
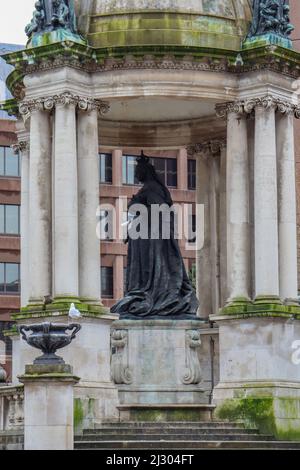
<point x="50" y="15"/>
<point x="38" y="20"/>
<point x="62" y="15"/>
<point x="270" y="16"/>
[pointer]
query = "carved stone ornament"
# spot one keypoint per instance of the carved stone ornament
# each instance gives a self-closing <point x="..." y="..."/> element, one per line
<point x="209" y="147"/>
<point x="26" y="107"/>
<point x="21" y="147"/>
<point x="50" y="15"/>
<point x="193" y="374"/>
<point x="270" y="16"/>
<point x="120" y="371"/>
<point x="247" y="106"/>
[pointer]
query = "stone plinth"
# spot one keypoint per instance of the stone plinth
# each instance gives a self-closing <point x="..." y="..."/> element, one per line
<point x="157" y="362"/>
<point x="260" y="373"/>
<point x="48" y="407"/>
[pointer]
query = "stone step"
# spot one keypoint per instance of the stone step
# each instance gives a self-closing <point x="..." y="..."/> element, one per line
<point x="167" y="431"/>
<point x="174" y="437"/>
<point x="185" y="445"/>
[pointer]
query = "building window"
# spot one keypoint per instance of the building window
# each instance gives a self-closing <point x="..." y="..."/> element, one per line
<point x="9" y="162"/>
<point x="166" y="168"/>
<point x="191" y="174"/>
<point x="9" y="219"/>
<point x="106" y="225"/>
<point x="105" y="166"/>
<point x="107" y="282"/>
<point x="192" y="228"/>
<point x="9" y="278"/>
<point x="129" y="164"/>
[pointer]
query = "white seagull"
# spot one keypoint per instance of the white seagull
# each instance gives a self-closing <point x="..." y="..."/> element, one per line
<point x="73" y="312"/>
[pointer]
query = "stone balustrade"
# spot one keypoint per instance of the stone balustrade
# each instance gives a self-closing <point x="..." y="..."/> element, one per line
<point x="11" y="408"/>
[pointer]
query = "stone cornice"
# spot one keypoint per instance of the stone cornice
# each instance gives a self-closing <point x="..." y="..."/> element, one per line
<point x="85" y="58"/>
<point x="247" y="106"/>
<point x="82" y="103"/>
<point x="208" y="147"/>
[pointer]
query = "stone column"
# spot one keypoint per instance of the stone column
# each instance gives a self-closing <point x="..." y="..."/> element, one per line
<point x="214" y="224"/>
<point x="223" y="226"/>
<point x="22" y="148"/>
<point x="182" y="169"/>
<point x="203" y="256"/>
<point x="287" y="223"/>
<point x="66" y="280"/>
<point x="48" y="407"/>
<point x="237" y="196"/>
<point x="265" y="203"/>
<point x="39" y="242"/>
<point x="88" y="191"/>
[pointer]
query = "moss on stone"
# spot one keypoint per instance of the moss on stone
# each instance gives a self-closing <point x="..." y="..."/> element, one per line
<point x="254" y="412"/>
<point x="262" y="309"/>
<point x="78" y="414"/>
<point x="278" y="416"/>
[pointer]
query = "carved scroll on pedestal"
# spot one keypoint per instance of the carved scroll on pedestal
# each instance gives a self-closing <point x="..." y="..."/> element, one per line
<point x="120" y="371"/>
<point x="193" y="374"/>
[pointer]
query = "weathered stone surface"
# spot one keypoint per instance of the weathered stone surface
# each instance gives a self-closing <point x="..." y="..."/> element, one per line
<point x="211" y="23"/>
<point x="157" y="361"/>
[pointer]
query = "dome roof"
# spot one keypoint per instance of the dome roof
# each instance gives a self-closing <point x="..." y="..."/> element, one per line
<point x="220" y="24"/>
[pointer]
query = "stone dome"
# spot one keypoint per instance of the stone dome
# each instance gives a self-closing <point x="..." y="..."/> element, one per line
<point x="219" y="24"/>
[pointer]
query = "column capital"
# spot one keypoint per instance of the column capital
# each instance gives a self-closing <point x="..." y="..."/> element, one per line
<point x="223" y="109"/>
<point x="82" y="103"/>
<point x="248" y="105"/>
<point x="208" y="147"/>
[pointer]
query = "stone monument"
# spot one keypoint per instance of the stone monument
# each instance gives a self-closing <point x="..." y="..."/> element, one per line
<point x="155" y="359"/>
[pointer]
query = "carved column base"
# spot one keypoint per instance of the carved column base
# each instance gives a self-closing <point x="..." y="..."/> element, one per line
<point x="156" y="362"/>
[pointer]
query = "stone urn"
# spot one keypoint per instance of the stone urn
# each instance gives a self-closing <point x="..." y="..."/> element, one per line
<point x="49" y="337"/>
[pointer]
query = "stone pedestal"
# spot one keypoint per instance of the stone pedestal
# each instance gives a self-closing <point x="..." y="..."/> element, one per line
<point x="260" y="373"/>
<point x="48" y="407"/>
<point x="156" y="363"/>
<point x="95" y="396"/>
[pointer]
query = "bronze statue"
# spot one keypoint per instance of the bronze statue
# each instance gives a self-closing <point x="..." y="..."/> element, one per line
<point x="157" y="283"/>
<point x="270" y="16"/>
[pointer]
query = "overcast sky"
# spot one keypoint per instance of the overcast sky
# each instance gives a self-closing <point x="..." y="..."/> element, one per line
<point x="13" y="18"/>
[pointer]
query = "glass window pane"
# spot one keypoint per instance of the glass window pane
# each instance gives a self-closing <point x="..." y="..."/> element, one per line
<point x="12" y="277"/>
<point x="124" y="169"/>
<point x="2" y="226"/>
<point x="191" y="174"/>
<point x="2" y="168"/>
<point x="130" y="170"/>
<point x="11" y="163"/>
<point x="12" y="219"/>
<point x="105" y="168"/>
<point x="131" y="163"/>
<point x="2" y="280"/>
<point x="160" y="167"/>
<point x="172" y="172"/>
<point x="107" y="288"/>
<point x="106" y="225"/>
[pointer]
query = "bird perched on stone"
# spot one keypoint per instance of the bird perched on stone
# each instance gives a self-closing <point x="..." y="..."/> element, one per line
<point x="48" y="300"/>
<point x="74" y="312"/>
